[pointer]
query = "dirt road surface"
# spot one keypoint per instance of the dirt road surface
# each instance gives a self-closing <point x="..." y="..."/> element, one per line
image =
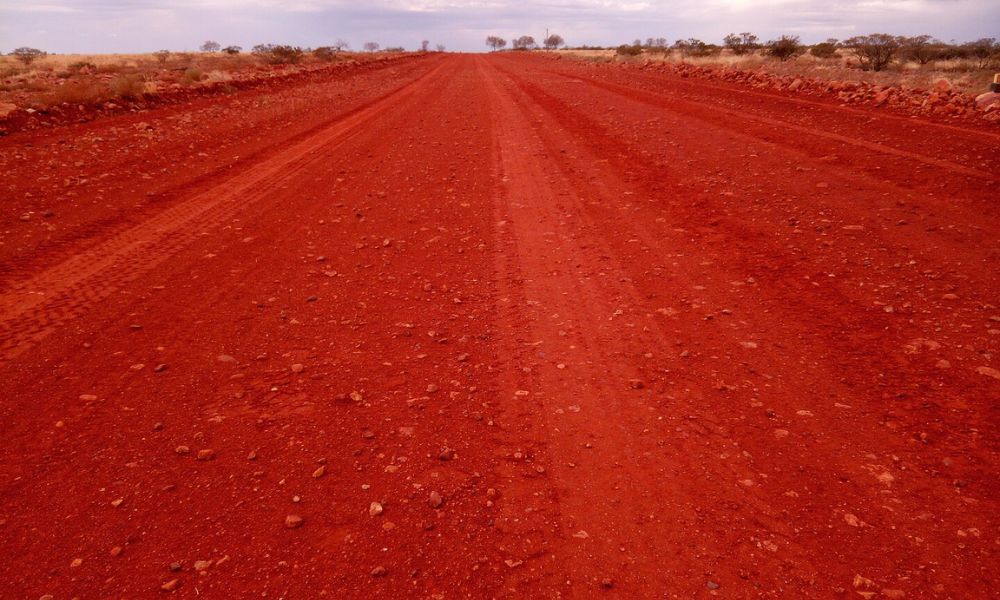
<point x="500" y="327"/>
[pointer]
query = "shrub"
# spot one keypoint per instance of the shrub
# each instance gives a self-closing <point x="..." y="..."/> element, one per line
<point x="27" y="55"/>
<point x="128" y="87"/>
<point x="81" y="66"/>
<point x="827" y="49"/>
<point x="162" y="56"/>
<point x="232" y="50"/>
<point x="371" y="46"/>
<point x="193" y="75"/>
<point x="85" y="91"/>
<point x="210" y="46"/>
<point x="278" y="54"/>
<point x="525" y="42"/>
<point x="785" y="47"/>
<point x="694" y="47"/>
<point x="628" y="50"/>
<point x="741" y="44"/>
<point x="874" y="51"/>
<point x="325" y="53"/>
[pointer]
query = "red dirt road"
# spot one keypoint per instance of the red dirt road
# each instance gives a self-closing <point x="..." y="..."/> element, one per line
<point x="500" y="327"/>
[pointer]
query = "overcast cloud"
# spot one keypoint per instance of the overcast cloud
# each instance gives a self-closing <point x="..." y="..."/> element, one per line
<point x="93" y="26"/>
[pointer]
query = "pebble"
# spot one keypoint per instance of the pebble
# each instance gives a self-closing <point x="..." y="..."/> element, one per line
<point x="160" y="368"/>
<point x="202" y="565"/>
<point x="435" y="500"/>
<point x="607" y="583"/>
<point x="319" y="472"/>
<point x="446" y="454"/>
<point x="298" y="368"/>
<point x="375" y="509"/>
<point x="182" y="450"/>
<point x="712" y="585"/>
<point x="293" y="521"/>
<point x="170" y="585"/>
<point x="206" y="454"/>
<point x="379" y="572"/>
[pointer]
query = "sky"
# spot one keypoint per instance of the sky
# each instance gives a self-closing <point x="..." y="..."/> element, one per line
<point x="127" y="26"/>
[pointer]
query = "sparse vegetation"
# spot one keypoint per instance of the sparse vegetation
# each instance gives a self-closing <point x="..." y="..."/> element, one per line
<point x="210" y="46"/>
<point x="371" y="46"/>
<point x="232" y="50"/>
<point x="162" y="56"/>
<point x="128" y="87"/>
<point x="628" y="50"/>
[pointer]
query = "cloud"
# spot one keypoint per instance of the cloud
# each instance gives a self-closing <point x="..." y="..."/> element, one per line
<point x="145" y="25"/>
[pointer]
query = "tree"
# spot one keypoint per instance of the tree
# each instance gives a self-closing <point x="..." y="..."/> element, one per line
<point x="496" y="43"/>
<point x="340" y="45"/>
<point x="232" y="50"/>
<point x="919" y="48"/>
<point x="874" y="51"/>
<point x="440" y="48"/>
<point x="162" y="56"/>
<point x="986" y="51"/>
<point x="27" y="55"/>
<point x="371" y="46"/>
<point x="741" y="44"/>
<point x="525" y="42"/>
<point x="425" y="45"/>
<point x="554" y="41"/>
<point x="210" y="46"/>
<point x="785" y="47"/>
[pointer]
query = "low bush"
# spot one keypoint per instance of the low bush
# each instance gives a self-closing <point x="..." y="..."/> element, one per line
<point x="85" y="91"/>
<point x="128" y="87"/>
<point x="629" y="50"/>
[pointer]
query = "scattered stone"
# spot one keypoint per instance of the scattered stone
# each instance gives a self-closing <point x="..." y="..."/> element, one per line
<point x="76" y="563"/>
<point x="175" y="567"/>
<point x="379" y="572"/>
<point x="116" y="551"/>
<point x="206" y="454"/>
<point x="226" y="358"/>
<point x="294" y="521"/>
<point x="375" y="509"/>
<point x="170" y="585"/>
<point x="446" y="454"/>
<point x="202" y="565"/>
<point x="319" y="472"/>
<point x="636" y="384"/>
<point x="368" y="434"/>
<point x="607" y="584"/>
<point x="712" y="585"/>
<point x="435" y="500"/>
<point x="298" y="368"/>
<point x="989" y="372"/>
<point x="182" y="450"/>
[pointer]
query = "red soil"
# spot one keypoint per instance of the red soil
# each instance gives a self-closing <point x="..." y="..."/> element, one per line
<point x="578" y="332"/>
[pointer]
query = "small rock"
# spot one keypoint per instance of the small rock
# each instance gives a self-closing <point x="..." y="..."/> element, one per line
<point x="375" y="509"/>
<point x="182" y="450"/>
<point x="76" y="563"/>
<point x="435" y="500"/>
<point x="202" y="565"/>
<point x="319" y="472"/>
<point x="712" y="585"/>
<point x="298" y="368"/>
<point x="379" y="572"/>
<point x="116" y="551"/>
<point x="607" y="584"/>
<point x="293" y="521"/>
<point x="446" y="454"/>
<point x="170" y="585"/>
<point x="206" y="454"/>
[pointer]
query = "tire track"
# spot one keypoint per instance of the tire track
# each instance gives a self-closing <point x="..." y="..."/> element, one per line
<point x="32" y="309"/>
